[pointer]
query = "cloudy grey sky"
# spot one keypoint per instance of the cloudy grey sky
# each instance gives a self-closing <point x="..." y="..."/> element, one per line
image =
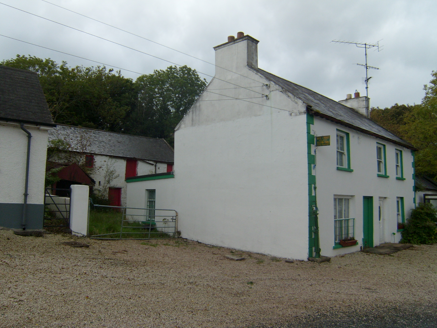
<point x="295" y="39"/>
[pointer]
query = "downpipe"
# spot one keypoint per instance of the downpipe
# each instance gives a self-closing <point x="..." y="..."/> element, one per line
<point x="26" y="184"/>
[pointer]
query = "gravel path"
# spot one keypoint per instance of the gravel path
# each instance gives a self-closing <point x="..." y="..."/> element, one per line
<point x="180" y="283"/>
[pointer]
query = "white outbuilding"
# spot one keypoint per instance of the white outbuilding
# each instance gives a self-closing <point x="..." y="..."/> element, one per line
<point x="265" y="165"/>
<point x="24" y="123"/>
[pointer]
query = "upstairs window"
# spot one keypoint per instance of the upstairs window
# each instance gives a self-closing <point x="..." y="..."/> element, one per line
<point x="381" y="164"/>
<point x="399" y="165"/>
<point x="343" y="151"/>
<point x="89" y="161"/>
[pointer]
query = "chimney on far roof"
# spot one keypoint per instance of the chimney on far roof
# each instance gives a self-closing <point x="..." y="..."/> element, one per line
<point x="236" y="55"/>
<point x="359" y="104"/>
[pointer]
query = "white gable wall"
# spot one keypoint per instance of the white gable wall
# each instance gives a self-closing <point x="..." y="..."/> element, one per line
<point x="13" y="150"/>
<point x="363" y="181"/>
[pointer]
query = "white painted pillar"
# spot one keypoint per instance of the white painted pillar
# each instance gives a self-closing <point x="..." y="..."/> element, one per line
<point x="79" y="210"/>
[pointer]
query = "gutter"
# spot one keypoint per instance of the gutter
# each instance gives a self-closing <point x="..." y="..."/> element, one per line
<point x="26" y="184"/>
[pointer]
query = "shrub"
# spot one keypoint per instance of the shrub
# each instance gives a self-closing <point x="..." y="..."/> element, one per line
<point x="421" y="227"/>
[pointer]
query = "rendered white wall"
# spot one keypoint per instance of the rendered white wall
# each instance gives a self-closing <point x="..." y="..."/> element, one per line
<point x="79" y="211"/>
<point x="165" y="200"/>
<point x="13" y="150"/>
<point x="363" y="181"/>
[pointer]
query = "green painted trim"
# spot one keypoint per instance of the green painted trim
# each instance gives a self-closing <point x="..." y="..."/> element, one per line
<point x="313" y="226"/>
<point x="413" y="164"/>
<point x="11" y="215"/>
<point x="400" y="230"/>
<point x="383" y="176"/>
<point x="402" y="179"/>
<point x="344" y="169"/>
<point x="146" y="178"/>
<point x="348" y="152"/>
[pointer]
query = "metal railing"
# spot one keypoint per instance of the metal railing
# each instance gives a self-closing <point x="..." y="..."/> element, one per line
<point x="344" y="229"/>
<point x="57" y="209"/>
<point x="137" y="223"/>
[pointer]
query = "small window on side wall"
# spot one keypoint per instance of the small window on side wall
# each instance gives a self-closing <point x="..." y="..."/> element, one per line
<point x="343" y="151"/>
<point x="89" y="161"/>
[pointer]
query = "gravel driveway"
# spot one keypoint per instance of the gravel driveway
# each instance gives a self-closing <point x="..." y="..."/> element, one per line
<point x="180" y="283"/>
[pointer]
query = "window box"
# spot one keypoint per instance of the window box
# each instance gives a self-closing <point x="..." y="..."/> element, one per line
<point x="401" y="226"/>
<point x="348" y="242"/>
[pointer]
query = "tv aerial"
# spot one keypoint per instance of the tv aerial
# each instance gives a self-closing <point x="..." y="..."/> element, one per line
<point x="367" y="67"/>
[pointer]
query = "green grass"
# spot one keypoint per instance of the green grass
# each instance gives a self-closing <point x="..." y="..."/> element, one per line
<point x="109" y="222"/>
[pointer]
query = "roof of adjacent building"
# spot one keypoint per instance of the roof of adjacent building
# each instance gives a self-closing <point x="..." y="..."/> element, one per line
<point x="332" y="110"/>
<point x="22" y="98"/>
<point x="425" y="183"/>
<point x="98" y="142"/>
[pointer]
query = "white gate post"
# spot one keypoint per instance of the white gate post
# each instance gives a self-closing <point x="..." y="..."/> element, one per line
<point x="79" y="210"/>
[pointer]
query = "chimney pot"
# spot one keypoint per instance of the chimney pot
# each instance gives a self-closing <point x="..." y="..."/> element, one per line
<point x="240" y="35"/>
<point x="349" y="96"/>
<point x="231" y="38"/>
<point x="356" y="94"/>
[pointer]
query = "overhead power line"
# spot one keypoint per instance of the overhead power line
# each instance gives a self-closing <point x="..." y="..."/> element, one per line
<point x="144" y="38"/>
<point x="127" y="47"/>
<point x="210" y="91"/>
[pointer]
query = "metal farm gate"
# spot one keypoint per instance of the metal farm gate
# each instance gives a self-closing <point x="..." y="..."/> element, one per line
<point x="57" y="210"/>
<point x="118" y="222"/>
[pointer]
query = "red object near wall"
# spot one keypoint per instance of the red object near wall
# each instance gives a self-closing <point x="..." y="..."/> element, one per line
<point x="131" y="168"/>
<point x="114" y="195"/>
<point x="169" y="167"/>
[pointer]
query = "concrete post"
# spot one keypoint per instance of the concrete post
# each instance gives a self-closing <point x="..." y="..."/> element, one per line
<point x="79" y="210"/>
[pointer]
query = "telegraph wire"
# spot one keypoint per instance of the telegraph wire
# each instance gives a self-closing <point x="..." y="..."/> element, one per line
<point x="144" y="38"/>
<point x="99" y="62"/>
<point x="127" y="47"/>
<point x="66" y="53"/>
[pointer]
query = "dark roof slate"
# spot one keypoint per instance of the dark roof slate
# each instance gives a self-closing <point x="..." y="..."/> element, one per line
<point x="22" y="98"/>
<point x="331" y="109"/>
<point x="425" y="183"/>
<point x="98" y="142"/>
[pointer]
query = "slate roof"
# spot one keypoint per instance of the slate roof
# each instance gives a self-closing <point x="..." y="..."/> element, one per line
<point x="98" y="142"/>
<point x="22" y="98"/>
<point x="332" y="110"/>
<point x="425" y="183"/>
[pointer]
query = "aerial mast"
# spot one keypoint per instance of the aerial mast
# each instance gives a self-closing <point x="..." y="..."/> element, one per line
<point x="367" y="67"/>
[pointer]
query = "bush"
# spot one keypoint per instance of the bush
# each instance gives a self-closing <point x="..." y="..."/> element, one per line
<point x="421" y="227"/>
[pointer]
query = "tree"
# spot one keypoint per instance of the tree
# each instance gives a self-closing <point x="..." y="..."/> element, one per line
<point x="84" y="96"/>
<point x="163" y="99"/>
<point x="393" y="118"/>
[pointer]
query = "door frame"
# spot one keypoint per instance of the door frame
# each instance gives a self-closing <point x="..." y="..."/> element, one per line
<point x="368" y="221"/>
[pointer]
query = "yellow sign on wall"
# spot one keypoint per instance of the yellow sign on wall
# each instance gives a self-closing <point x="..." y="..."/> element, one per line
<point x="323" y="141"/>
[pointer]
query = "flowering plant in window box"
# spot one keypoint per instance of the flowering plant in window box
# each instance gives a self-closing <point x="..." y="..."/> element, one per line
<point x="401" y="226"/>
<point x="348" y="242"/>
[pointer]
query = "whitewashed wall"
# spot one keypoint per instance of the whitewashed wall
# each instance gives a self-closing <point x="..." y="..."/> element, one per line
<point x="363" y="181"/>
<point x="165" y="200"/>
<point x="13" y="150"/>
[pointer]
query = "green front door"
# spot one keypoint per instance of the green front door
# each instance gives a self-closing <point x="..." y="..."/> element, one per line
<point x="367" y="221"/>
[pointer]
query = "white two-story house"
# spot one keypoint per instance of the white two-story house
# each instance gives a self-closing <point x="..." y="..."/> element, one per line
<point x="265" y="165"/>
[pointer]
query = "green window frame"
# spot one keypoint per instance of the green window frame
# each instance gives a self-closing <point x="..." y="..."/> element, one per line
<point x="150" y="204"/>
<point x="343" y="152"/>
<point x="399" y="164"/>
<point x="381" y="161"/>
<point x="344" y="225"/>
<point x="400" y="212"/>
